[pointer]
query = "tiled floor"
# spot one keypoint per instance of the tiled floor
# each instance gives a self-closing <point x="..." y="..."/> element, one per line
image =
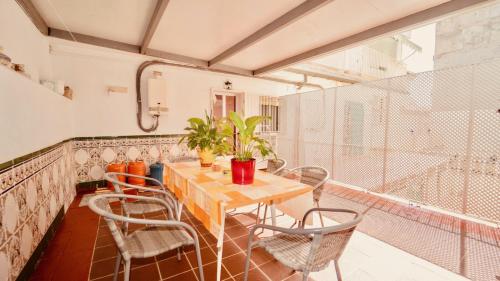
<point x="83" y="248"/>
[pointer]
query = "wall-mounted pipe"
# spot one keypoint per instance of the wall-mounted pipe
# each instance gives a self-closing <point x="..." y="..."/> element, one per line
<point x="138" y="76"/>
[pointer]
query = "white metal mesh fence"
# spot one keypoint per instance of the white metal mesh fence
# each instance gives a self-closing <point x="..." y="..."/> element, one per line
<point x="432" y="137"/>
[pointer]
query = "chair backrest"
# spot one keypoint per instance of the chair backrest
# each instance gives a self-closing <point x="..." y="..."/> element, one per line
<point x="312" y="175"/>
<point x="330" y="244"/>
<point x="99" y="204"/>
<point x="275" y="166"/>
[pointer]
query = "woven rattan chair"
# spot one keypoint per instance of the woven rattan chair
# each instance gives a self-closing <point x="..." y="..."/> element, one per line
<point x="312" y="175"/>
<point x="140" y="207"/>
<point x="159" y="236"/>
<point x="306" y="250"/>
<point x="274" y="166"/>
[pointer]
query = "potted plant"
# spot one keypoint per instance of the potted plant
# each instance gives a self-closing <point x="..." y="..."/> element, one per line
<point x="207" y="138"/>
<point x="243" y="163"/>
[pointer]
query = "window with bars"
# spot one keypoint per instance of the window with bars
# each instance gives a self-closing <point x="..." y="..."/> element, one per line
<point x="269" y="106"/>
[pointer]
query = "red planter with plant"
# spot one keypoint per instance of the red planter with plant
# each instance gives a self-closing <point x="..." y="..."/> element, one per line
<point x="243" y="163"/>
<point x="242" y="171"/>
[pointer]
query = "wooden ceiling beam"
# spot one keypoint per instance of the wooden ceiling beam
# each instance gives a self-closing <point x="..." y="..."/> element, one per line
<point x="92" y="40"/>
<point x="160" y="8"/>
<point x="289" y="17"/>
<point x="406" y="22"/>
<point x="176" y="57"/>
<point x="320" y="75"/>
<point x="177" y="60"/>
<point x="34" y="15"/>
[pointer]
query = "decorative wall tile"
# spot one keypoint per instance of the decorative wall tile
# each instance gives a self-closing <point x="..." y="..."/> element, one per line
<point x="32" y="193"/>
<point x="4" y="265"/>
<point x="93" y="156"/>
<point x="35" y="190"/>
<point x="10" y="218"/>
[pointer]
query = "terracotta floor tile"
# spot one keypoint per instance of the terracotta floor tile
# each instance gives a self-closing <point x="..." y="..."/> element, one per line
<point x="172" y="266"/>
<point x="229" y="248"/>
<point x="253" y="275"/>
<point x="186" y="276"/>
<point x="207" y="256"/>
<point x="102" y="268"/>
<point x="142" y="262"/>
<point x="106" y="252"/>
<point x="260" y="256"/>
<point x="236" y="263"/>
<point x="148" y="272"/>
<point x="242" y="242"/>
<point x="166" y="255"/>
<point x="236" y="231"/>
<point x="143" y="273"/>
<point x="299" y="277"/>
<point x="210" y="272"/>
<point x="209" y="239"/>
<point x="276" y="271"/>
<point x="104" y="240"/>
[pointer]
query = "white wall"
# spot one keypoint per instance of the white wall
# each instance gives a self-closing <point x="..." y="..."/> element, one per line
<point x="89" y="70"/>
<point x="31" y="116"/>
<point x="22" y="41"/>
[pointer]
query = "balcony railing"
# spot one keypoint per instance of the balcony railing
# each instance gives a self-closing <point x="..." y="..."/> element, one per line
<point x="432" y="137"/>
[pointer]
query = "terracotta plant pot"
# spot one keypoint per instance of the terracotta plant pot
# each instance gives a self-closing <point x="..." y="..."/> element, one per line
<point x="207" y="157"/>
<point x="117" y="168"/>
<point x="137" y="168"/>
<point x="242" y="171"/>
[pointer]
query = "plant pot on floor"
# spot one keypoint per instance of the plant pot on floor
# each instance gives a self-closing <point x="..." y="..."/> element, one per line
<point x="207" y="157"/>
<point x="242" y="171"/>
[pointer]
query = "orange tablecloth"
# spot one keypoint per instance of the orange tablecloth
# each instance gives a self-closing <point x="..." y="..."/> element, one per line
<point x="207" y="194"/>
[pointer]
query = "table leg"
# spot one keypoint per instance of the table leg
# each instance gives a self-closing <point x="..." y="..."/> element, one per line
<point x="220" y="243"/>
<point x="273" y="214"/>
<point x="180" y="211"/>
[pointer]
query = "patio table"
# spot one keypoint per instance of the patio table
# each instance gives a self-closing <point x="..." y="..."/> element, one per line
<point x="207" y="194"/>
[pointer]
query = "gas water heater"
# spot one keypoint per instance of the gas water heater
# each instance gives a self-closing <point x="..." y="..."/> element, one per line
<point x="157" y="94"/>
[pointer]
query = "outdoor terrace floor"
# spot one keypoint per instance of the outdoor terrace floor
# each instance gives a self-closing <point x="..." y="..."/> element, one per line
<point x="394" y="242"/>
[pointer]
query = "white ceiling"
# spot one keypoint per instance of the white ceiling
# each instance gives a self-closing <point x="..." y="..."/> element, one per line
<point x="204" y="28"/>
<point x="334" y="21"/>
<point x="119" y="20"/>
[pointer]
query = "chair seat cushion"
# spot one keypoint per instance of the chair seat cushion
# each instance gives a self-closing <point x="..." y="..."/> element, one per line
<point x="153" y="241"/>
<point x="141" y="207"/>
<point x="291" y="250"/>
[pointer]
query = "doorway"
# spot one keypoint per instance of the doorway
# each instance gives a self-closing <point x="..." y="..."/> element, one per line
<point x="225" y="102"/>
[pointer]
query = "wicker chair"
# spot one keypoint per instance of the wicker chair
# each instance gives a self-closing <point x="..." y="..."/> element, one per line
<point x="306" y="250"/>
<point x="158" y="237"/>
<point x="311" y="175"/>
<point x="140" y="207"/>
<point x="274" y="166"/>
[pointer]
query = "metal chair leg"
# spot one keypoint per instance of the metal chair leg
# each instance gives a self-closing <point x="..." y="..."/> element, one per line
<point x="247" y="261"/>
<point x="198" y="258"/>
<point x="117" y="265"/>
<point x="337" y="270"/>
<point x="265" y="215"/>
<point x="320" y="215"/>
<point x="126" y="271"/>
<point x="257" y="219"/>
<point x="178" y="254"/>
<point x="305" y="274"/>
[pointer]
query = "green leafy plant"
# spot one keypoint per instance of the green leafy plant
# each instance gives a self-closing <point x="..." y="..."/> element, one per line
<point x="207" y="135"/>
<point x="248" y="142"/>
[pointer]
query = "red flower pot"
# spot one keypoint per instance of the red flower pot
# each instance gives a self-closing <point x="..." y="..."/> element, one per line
<point x="242" y="171"/>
